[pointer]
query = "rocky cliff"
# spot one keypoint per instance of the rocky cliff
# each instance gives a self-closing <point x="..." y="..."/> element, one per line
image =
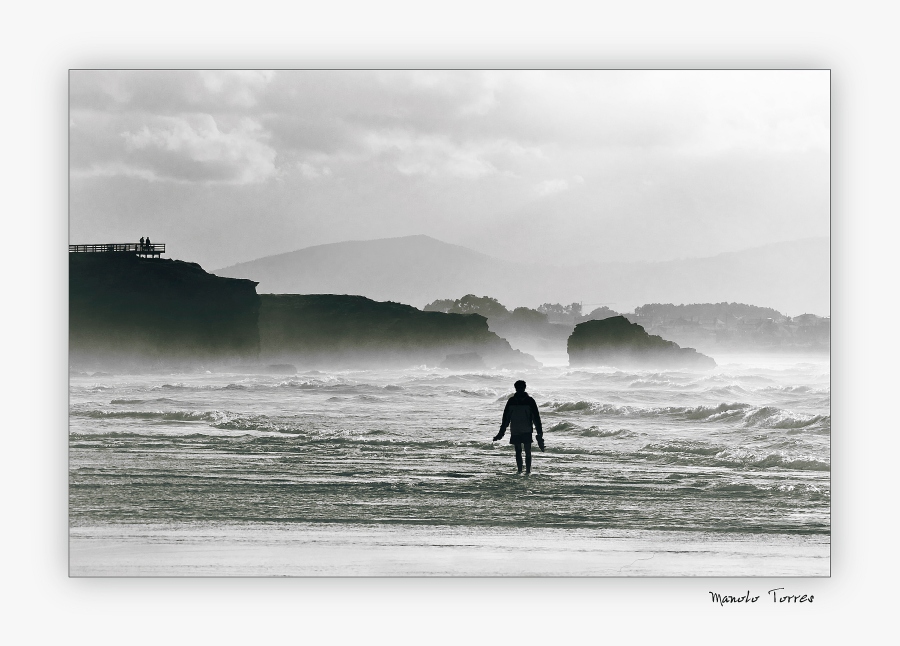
<point x="617" y="342"/>
<point x="146" y="313"/>
<point x="354" y="331"/>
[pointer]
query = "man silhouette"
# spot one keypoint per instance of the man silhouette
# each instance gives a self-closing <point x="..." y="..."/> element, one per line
<point x="521" y="413"/>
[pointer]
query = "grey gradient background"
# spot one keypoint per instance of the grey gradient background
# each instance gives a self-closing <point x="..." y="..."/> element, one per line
<point x="857" y="42"/>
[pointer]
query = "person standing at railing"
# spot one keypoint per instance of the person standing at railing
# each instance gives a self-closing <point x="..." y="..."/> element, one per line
<point x="142" y="243"/>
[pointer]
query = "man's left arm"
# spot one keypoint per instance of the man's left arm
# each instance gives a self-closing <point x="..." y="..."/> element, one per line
<point x="536" y="418"/>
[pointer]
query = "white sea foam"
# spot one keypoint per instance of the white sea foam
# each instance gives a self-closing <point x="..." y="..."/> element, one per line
<point x="743" y="450"/>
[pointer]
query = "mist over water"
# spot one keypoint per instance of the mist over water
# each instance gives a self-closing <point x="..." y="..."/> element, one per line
<point x="741" y="448"/>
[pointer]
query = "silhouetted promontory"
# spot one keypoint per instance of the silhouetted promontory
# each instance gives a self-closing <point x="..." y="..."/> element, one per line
<point x="340" y="330"/>
<point x="127" y="310"/>
<point x="139" y="313"/>
<point x="617" y="342"/>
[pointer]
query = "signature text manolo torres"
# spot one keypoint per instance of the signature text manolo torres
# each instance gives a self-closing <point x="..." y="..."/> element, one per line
<point x="777" y="595"/>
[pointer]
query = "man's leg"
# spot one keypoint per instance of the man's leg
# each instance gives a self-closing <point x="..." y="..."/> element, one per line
<point x="527" y="457"/>
<point x="519" y="456"/>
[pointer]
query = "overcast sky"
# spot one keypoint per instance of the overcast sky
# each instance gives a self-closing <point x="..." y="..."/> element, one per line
<point x="228" y="166"/>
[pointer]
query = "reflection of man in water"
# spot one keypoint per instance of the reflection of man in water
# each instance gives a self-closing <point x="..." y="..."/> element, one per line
<point x="520" y="414"/>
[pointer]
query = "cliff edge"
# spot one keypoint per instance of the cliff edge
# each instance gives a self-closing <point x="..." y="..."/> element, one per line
<point x="131" y="311"/>
<point x="342" y="330"/>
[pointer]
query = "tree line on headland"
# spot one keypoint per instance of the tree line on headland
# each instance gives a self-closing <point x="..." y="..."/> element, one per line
<point x="707" y="326"/>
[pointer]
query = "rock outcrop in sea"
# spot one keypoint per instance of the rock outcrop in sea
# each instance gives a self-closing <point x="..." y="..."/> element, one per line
<point x="619" y="343"/>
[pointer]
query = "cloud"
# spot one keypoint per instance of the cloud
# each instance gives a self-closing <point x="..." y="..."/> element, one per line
<point x="194" y="148"/>
<point x="309" y="171"/>
<point x="441" y="156"/>
<point x="742" y="154"/>
<point x="237" y="87"/>
<point x="551" y="186"/>
<point x="113" y="169"/>
<point x="431" y="155"/>
<point x="169" y="91"/>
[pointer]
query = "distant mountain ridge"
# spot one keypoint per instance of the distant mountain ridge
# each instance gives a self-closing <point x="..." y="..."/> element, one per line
<point x="793" y="277"/>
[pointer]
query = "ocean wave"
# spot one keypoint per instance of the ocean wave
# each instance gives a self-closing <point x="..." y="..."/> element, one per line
<point x="435" y="378"/>
<point x="688" y="453"/>
<point x="480" y="392"/>
<point x="745" y="458"/>
<point x="337" y="387"/>
<point x="182" y="416"/>
<point x="303" y="384"/>
<point x="748" y="414"/>
<point x="215" y="419"/>
<point x="593" y="431"/>
<point x="711" y="413"/>
<point x="785" y="389"/>
<point x="787" y="489"/>
<point x="78" y="439"/>
<point x="731" y="378"/>
<point x="685" y="412"/>
<point x="577" y="406"/>
<point x="796" y="390"/>
<point x="256" y="423"/>
<point x="383" y="439"/>
<point x="627" y="378"/>
<point x="175" y="386"/>
<point x="651" y="383"/>
<point x="771" y="417"/>
<point x="201" y="387"/>
<point x="733" y="389"/>
<point x="683" y="446"/>
<point x="157" y="400"/>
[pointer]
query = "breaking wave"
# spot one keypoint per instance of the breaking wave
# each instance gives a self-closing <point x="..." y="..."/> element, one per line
<point x="702" y="454"/>
<point x="747" y="414"/>
<point x="480" y="392"/>
<point x="179" y="416"/>
<point x="593" y="431"/>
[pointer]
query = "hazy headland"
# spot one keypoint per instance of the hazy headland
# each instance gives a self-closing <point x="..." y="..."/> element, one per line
<point x="129" y="311"/>
<point x="126" y="310"/>
<point x="417" y="270"/>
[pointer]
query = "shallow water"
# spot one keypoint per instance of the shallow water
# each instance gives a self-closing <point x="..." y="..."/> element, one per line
<point x="743" y="449"/>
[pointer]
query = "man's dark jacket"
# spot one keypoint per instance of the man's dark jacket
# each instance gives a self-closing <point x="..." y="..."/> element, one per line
<point x="520" y="414"/>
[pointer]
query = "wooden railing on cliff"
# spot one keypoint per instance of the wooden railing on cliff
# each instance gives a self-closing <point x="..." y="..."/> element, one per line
<point x="151" y="250"/>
